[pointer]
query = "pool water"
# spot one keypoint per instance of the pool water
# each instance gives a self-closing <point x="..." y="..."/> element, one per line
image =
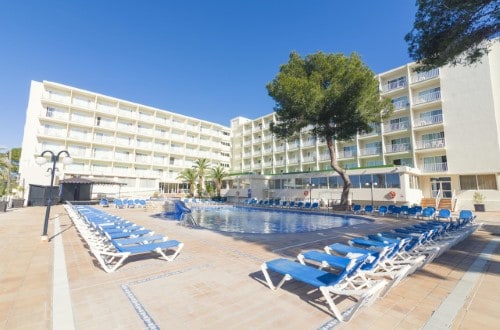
<point x="244" y="220"/>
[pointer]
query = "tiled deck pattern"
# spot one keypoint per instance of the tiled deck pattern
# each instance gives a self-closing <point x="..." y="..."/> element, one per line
<point x="216" y="281"/>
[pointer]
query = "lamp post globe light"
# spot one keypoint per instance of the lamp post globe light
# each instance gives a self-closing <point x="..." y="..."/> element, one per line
<point x="54" y="158"/>
<point x="371" y="184"/>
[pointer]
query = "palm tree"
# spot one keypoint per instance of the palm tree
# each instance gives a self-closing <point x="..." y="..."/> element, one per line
<point x="189" y="175"/>
<point x="218" y="173"/>
<point x="201" y="165"/>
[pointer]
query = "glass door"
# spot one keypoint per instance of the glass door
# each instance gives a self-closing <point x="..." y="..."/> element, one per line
<point x="443" y="184"/>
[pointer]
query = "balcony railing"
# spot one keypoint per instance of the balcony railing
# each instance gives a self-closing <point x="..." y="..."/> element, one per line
<point x="400" y="105"/>
<point x="430" y="144"/>
<point x="402" y="147"/>
<point x="346" y="154"/>
<point x="424" y="75"/>
<point x="372" y="133"/>
<point x="393" y="85"/>
<point x="309" y="159"/>
<point x="104" y="139"/>
<point x="396" y="126"/>
<point x="53" y="132"/>
<point x="370" y="151"/>
<point x="432" y="120"/>
<point x="309" y="143"/>
<point x="428" y="97"/>
<point x="435" y="167"/>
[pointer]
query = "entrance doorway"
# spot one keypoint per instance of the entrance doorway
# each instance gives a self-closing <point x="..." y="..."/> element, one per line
<point x="443" y="184"/>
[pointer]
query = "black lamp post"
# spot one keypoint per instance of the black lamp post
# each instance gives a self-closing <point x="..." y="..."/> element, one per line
<point x="54" y="158"/>
<point x="311" y="185"/>
<point x="371" y="184"/>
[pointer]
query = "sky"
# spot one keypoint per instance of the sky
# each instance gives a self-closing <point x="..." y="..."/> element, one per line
<point x="205" y="59"/>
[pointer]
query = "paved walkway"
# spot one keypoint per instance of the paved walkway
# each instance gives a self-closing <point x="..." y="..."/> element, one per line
<point x="216" y="281"/>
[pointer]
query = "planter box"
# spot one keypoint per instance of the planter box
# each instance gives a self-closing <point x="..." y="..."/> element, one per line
<point x="479" y="207"/>
<point x="3" y="206"/>
<point x="19" y="202"/>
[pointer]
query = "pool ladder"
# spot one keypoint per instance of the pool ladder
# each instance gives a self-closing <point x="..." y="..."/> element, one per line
<point x="188" y="220"/>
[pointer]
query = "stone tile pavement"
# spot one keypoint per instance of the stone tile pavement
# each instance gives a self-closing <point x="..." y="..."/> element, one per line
<point x="216" y="281"/>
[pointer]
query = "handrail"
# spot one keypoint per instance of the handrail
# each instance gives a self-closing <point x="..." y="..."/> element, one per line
<point x="454" y="199"/>
<point x="438" y="198"/>
<point x="187" y="219"/>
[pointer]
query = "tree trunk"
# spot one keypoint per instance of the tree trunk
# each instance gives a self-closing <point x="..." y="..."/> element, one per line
<point x="344" y="200"/>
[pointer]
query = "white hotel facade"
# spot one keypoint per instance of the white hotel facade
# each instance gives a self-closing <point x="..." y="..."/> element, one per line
<point x="443" y="140"/>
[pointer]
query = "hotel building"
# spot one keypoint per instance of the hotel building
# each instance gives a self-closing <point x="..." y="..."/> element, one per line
<point x="112" y="140"/>
<point x="442" y="143"/>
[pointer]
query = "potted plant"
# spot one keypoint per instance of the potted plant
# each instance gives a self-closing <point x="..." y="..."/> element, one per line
<point x="478" y="200"/>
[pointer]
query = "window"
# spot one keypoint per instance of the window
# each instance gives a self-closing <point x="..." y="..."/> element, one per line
<point x="392" y="180"/>
<point x="98" y="121"/>
<point x="475" y="182"/>
<point x="335" y="182"/>
<point x="373" y="163"/>
<point x="399" y="123"/>
<point x="400" y="102"/>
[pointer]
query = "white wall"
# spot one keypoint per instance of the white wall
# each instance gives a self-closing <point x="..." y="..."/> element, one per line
<point x="471" y="116"/>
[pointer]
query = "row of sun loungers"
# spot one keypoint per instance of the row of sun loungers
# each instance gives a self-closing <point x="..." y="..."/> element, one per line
<point x="112" y="239"/>
<point x="368" y="267"/>
<point x="416" y="212"/>
<point x="286" y="204"/>
<point x="124" y="203"/>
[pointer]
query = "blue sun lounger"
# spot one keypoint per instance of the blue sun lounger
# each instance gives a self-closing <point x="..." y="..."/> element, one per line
<point x="328" y="284"/>
<point x="110" y="260"/>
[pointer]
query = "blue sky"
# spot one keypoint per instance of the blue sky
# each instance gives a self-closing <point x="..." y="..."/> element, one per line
<point x="206" y="59"/>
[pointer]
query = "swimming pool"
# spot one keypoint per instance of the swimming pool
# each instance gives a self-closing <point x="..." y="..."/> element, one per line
<point x="257" y="221"/>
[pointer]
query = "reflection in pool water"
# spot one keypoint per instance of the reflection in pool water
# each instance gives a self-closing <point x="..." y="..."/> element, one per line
<point x="242" y="220"/>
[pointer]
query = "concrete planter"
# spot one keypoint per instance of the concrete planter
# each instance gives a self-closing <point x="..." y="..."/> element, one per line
<point x="19" y="202"/>
<point x="479" y="208"/>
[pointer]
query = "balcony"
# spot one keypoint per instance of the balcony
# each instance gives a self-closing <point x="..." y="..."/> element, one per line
<point x="393" y="85"/>
<point x="427" y="98"/>
<point x="143" y="159"/>
<point x="401" y="147"/>
<point x="394" y="127"/>
<point x="432" y="120"/>
<point x="400" y="105"/>
<point x="430" y="144"/>
<point x="422" y="76"/>
<point x="87" y="121"/>
<point x="324" y="157"/>
<point x="309" y="159"/>
<point x="309" y="143"/>
<point x="57" y="115"/>
<point x="370" y="152"/>
<point x="52" y="132"/>
<point x="346" y="154"/>
<point x="104" y="139"/>
<point x="435" y="167"/>
<point x="373" y="133"/>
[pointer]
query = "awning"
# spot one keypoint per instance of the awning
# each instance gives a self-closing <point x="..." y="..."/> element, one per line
<point x="90" y="181"/>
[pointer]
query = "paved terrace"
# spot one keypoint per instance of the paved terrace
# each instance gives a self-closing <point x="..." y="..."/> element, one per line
<point x="216" y="281"/>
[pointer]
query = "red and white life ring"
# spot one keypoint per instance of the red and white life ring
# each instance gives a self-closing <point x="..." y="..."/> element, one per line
<point x="306" y="193"/>
<point x="391" y="194"/>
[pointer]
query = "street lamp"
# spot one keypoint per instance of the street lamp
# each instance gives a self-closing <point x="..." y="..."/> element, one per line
<point x="54" y="159"/>
<point x="371" y="184"/>
<point x="311" y="185"/>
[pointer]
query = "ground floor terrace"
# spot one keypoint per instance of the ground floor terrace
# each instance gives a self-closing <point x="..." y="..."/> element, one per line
<point x="216" y="283"/>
